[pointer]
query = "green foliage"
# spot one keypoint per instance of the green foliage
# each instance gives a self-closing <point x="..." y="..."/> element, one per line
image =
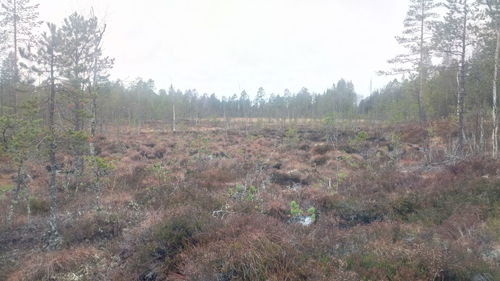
<point x="396" y="140"/>
<point x="361" y="136"/>
<point x="173" y="236"/>
<point x="242" y="192"/>
<point x="341" y="177"/>
<point x="291" y="135"/>
<point x="251" y="191"/>
<point x="39" y="206"/>
<point x="101" y="166"/>
<point x="160" y="171"/>
<point x="435" y="208"/>
<point x="94" y="227"/>
<point x="295" y="209"/>
<point x="21" y="135"/>
<point x="372" y="267"/>
<point x="200" y="146"/>
<point x="359" y="139"/>
<point x="329" y="120"/>
<point x="312" y="213"/>
<point x="404" y="208"/>
<point x="493" y="223"/>
<point x="76" y="141"/>
<point x="4" y="189"/>
<point x="7" y="129"/>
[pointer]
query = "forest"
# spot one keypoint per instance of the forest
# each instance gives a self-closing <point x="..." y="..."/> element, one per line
<point x="102" y="179"/>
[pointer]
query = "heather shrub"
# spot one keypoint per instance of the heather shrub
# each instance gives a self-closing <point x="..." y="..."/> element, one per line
<point x="65" y="264"/>
<point x="246" y="248"/>
<point x="435" y="207"/>
<point x="135" y="178"/>
<point x="39" y="206"/>
<point x="322" y="149"/>
<point x="352" y="213"/>
<point x="404" y="208"/>
<point x="320" y="161"/>
<point x="93" y="227"/>
<point x="159" y="251"/>
<point x="173" y="236"/>
<point x="153" y="197"/>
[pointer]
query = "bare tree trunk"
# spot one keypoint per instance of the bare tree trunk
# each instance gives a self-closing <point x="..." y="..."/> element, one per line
<point x="494" y="135"/>
<point x="54" y="239"/>
<point x="28" y="204"/>
<point x="226" y="123"/>
<point x="2" y="99"/>
<point x="461" y="84"/>
<point x="79" y="164"/>
<point x="421" y="111"/>
<point x="15" y="196"/>
<point x="173" y="118"/>
<point x="92" y="151"/>
<point x="481" y="132"/>
<point x="16" y="72"/>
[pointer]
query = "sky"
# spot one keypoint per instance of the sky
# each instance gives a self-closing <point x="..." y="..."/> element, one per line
<point x="227" y="46"/>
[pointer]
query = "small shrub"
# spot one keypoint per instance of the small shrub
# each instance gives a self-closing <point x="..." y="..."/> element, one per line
<point x="291" y="136"/>
<point x="361" y="136"/>
<point x="287" y="179"/>
<point x="39" y="206"/>
<point x="295" y="209"/>
<point x="241" y="192"/>
<point x="93" y="227"/>
<point x="251" y="248"/>
<point x="312" y="213"/>
<point x="320" y="161"/>
<point x="322" y="149"/>
<point x="4" y="189"/>
<point x="136" y="177"/>
<point x="356" y="213"/>
<point x="276" y="209"/>
<point x="404" y="208"/>
<point x="60" y="265"/>
<point x="173" y="236"/>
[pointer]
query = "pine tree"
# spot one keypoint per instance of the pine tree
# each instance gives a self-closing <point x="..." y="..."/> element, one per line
<point x="47" y="62"/>
<point x="20" y="19"/>
<point x="416" y="39"/>
<point x="453" y="37"/>
<point x="7" y="84"/>
<point x="494" y="13"/>
<point x="97" y="74"/>
<point x="81" y="38"/>
<point x="22" y="147"/>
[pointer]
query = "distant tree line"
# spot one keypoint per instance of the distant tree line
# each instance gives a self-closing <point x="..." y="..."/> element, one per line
<point x="139" y="101"/>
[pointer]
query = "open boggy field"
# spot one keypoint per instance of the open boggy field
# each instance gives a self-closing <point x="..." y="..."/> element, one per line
<point x="262" y="202"/>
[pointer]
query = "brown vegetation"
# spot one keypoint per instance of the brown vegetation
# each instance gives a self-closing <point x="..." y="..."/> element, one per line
<point x="200" y="205"/>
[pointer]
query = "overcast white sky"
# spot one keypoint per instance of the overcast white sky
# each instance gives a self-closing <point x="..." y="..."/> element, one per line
<point x="226" y="46"/>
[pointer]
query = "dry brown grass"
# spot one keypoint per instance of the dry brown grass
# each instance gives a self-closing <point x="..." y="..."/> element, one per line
<point x="384" y="219"/>
<point x="49" y="265"/>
